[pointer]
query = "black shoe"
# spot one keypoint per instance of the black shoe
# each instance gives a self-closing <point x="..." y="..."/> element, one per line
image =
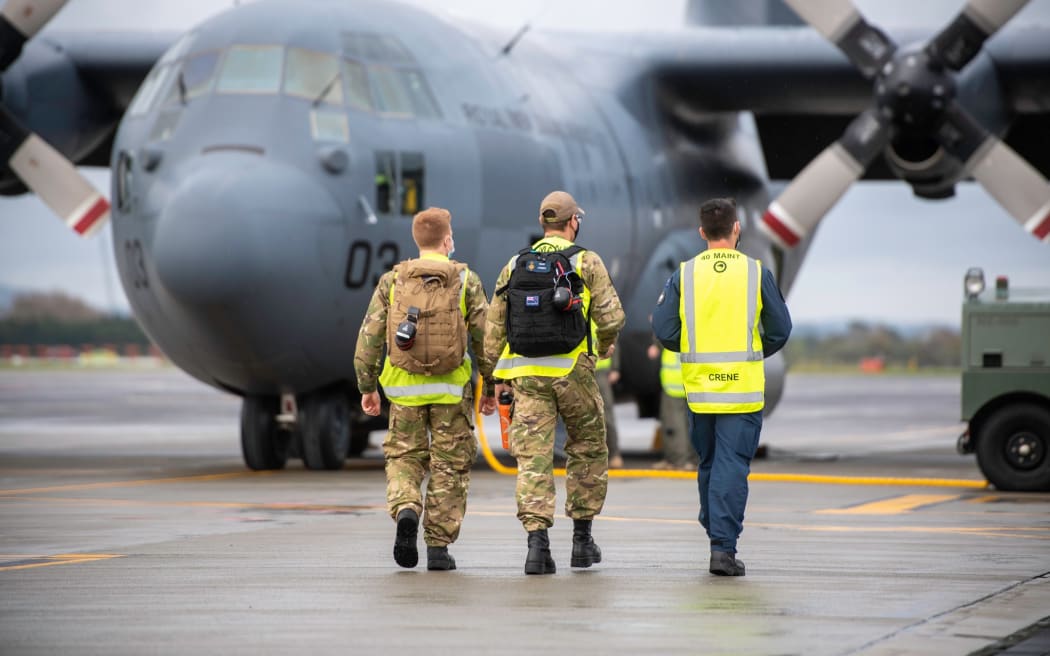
<point x="405" y="553"/>
<point x="724" y="563"/>
<point x="438" y="558"/>
<point x="584" y="551"/>
<point x="538" y="560"/>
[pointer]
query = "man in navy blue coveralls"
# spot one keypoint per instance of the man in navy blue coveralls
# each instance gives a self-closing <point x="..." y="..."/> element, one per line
<point x="726" y="442"/>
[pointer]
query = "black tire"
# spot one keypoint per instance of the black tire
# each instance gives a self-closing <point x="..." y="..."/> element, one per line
<point x="1013" y="448"/>
<point x="358" y="439"/>
<point x="324" y="422"/>
<point x="262" y="443"/>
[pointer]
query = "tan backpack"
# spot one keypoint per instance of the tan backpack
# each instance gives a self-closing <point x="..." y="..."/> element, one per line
<point x="434" y="288"/>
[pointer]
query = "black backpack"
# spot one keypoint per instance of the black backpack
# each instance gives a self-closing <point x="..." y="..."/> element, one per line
<point x="544" y="304"/>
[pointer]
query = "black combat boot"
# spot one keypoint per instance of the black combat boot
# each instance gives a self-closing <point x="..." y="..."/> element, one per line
<point x="405" y="553"/>
<point x="584" y="551"/>
<point x="724" y="563"/>
<point x="539" y="560"/>
<point x="438" y="558"/>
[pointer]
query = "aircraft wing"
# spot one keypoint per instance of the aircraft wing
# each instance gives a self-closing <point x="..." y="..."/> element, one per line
<point x="937" y="110"/>
<point x="804" y="92"/>
<point x="97" y="73"/>
<point x="63" y="95"/>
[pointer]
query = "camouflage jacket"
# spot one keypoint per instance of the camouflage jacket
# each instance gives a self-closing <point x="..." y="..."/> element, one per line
<point x="606" y="312"/>
<point x="371" y="339"/>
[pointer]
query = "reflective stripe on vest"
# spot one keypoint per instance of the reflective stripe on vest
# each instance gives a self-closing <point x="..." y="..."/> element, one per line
<point x="512" y="365"/>
<point x="720" y="306"/>
<point x="671" y="375"/>
<point x="406" y="388"/>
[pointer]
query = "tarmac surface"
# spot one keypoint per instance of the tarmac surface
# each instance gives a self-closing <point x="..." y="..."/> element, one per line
<point x="129" y="525"/>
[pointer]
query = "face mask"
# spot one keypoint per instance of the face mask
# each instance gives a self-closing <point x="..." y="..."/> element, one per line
<point x="451" y="246"/>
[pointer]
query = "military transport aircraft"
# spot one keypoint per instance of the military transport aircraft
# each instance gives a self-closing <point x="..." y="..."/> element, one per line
<point x="266" y="163"/>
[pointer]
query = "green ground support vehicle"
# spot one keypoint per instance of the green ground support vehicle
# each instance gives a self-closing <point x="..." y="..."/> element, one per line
<point x="1006" y="383"/>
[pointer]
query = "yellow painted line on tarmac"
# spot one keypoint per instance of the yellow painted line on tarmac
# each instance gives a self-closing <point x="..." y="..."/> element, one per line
<point x="112" y="484"/>
<point x="236" y="505"/>
<point x="892" y="506"/>
<point x="870" y="480"/>
<point x="10" y="562"/>
<point x="500" y="468"/>
<point x="1022" y="532"/>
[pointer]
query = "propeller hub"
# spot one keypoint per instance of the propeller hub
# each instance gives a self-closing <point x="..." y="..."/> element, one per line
<point x="913" y="90"/>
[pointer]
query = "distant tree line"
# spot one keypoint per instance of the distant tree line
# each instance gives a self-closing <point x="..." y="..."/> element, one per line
<point x="54" y="318"/>
<point x="936" y="347"/>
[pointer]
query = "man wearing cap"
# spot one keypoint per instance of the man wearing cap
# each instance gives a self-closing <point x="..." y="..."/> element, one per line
<point x="560" y="384"/>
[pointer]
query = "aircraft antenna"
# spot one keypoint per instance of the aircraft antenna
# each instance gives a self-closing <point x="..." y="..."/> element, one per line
<point x="182" y="88"/>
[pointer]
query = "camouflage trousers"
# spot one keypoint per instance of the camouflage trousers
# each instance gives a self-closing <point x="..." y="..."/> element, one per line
<point x="674" y="424"/>
<point x="438" y="439"/>
<point x="538" y="400"/>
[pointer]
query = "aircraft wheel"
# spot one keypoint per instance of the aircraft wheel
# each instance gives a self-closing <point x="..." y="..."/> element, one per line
<point x="325" y="425"/>
<point x="358" y="439"/>
<point x="1013" y="448"/>
<point x="263" y="445"/>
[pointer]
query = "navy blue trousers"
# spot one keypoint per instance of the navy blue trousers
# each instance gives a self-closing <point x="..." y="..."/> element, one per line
<point x="726" y="444"/>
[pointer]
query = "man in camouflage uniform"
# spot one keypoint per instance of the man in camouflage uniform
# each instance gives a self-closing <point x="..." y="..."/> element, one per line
<point x="542" y="392"/>
<point x="440" y="404"/>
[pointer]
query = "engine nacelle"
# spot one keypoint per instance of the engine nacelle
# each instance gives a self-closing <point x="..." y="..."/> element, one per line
<point x="44" y="90"/>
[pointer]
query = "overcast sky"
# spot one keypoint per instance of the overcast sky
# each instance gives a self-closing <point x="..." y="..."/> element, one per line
<point x="881" y="254"/>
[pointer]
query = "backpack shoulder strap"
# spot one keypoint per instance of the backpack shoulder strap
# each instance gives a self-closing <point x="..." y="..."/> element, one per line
<point x="510" y="266"/>
<point x="572" y="250"/>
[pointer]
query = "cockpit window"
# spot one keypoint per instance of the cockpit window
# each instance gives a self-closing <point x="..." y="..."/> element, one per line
<point x="313" y="75"/>
<point x="384" y="48"/>
<point x="181" y="47"/>
<point x="391" y="95"/>
<point x="198" y="73"/>
<point x="193" y="77"/>
<point x="402" y="92"/>
<point x="147" y="93"/>
<point x="397" y="83"/>
<point x="422" y="102"/>
<point x="251" y="69"/>
<point x="358" y="93"/>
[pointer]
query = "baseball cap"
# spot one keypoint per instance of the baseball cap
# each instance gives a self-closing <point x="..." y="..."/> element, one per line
<point x="562" y="204"/>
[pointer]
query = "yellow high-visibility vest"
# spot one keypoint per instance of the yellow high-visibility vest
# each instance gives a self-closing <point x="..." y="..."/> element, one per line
<point x="721" y="349"/>
<point x="406" y="388"/>
<point x="671" y="374"/>
<point x="511" y="365"/>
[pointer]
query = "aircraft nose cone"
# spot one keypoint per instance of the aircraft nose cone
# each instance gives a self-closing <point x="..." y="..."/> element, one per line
<point x="228" y="228"/>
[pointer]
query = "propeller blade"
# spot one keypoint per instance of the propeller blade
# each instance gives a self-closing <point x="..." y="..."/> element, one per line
<point x="839" y="21"/>
<point x="51" y="176"/>
<point x="960" y="42"/>
<point x="1014" y="183"/>
<point x="822" y="183"/>
<point x="20" y="20"/>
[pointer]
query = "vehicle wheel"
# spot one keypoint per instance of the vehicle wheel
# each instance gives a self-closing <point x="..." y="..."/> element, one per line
<point x="1013" y="449"/>
<point x="324" y="421"/>
<point x="262" y="443"/>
